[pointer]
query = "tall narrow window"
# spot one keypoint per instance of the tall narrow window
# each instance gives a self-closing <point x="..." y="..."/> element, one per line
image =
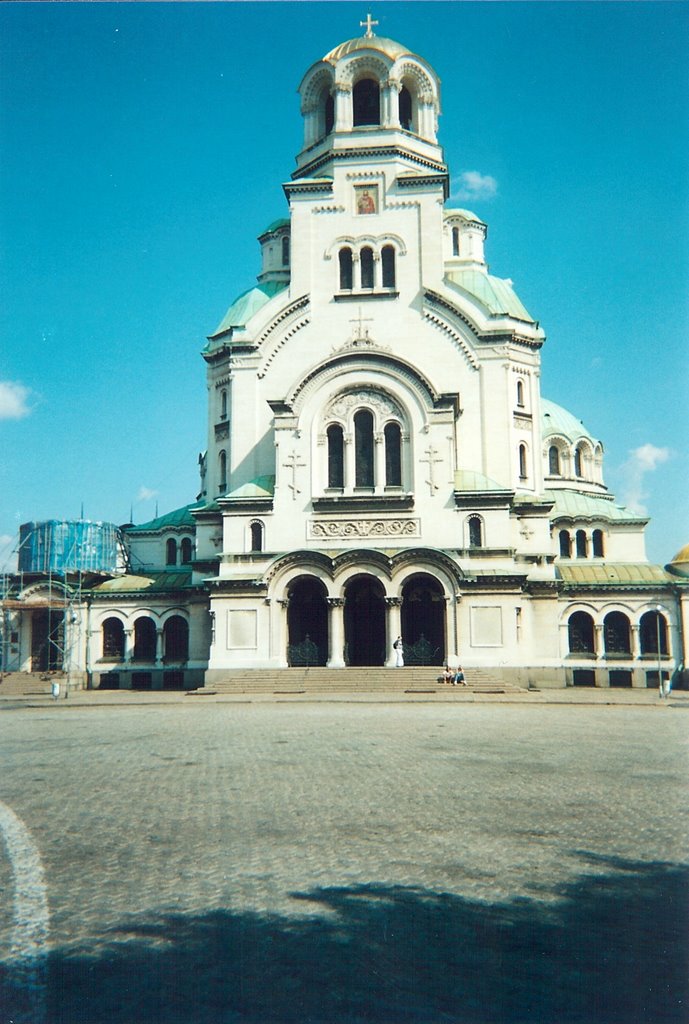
<point x="565" y="544"/>
<point x="113" y="639"/>
<point x="475" y="532"/>
<point x="363" y="448"/>
<point x="329" y="114"/>
<point x="520" y="394"/>
<point x="285" y="250"/>
<point x="581" y="634"/>
<point x="366" y="263"/>
<point x="455" y="241"/>
<point x="223" y="404"/>
<point x="335" y="456"/>
<point x="176" y="639"/>
<point x="582" y="544"/>
<point x="186" y="550"/>
<point x="222" y="471"/>
<point x="366" y="102"/>
<point x="616" y="633"/>
<point x="393" y="455"/>
<point x="522" y="462"/>
<point x="405" y="109"/>
<point x="578" y="462"/>
<point x="388" y="261"/>
<point x="653" y="633"/>
<point x="345" y="257"/>
<point x="171" y="552"/>
<point x="145" y="635"/>
<point x="257" y="536"/>
<point x="597" y="539"/>
<point x="554" y="460"/>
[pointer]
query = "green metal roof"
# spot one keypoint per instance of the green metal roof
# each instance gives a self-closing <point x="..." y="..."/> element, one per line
<point x="467" y="214"/>
<point x="556" y="420"/>
<point x="247" y="305"/>
<point x="283" y="222"/>
<point x="152" y="582"/>
<point x="180" y="517"/>
<point x="495" y="294"/>
<point x="578" y="505"/>
<point x="260" y="487"/>
<point x="611" y="573"/>
<point x="470" y="480"/>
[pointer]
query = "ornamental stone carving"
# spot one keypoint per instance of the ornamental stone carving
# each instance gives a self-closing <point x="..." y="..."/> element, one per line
<point x="355" y="529"/>
<point x="381" y="403"/>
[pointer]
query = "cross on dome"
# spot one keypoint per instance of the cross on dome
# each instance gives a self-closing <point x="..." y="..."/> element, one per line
<point x="369" y="23"/>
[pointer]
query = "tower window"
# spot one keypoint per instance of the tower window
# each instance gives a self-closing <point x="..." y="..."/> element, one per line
<point x="393" y="455"/>
<point x="363" y="448"/>
<point x="171" y="552"/>
<point x="223" y="404"/>
<point x="222" y="469"/>
<point x="366" y="101"/>
<point x="554" y="460"/>
<point x="335" y="456"/>
<point x="565" y="544"/>
<point x="257" y="536"/>
<point x="522" y="462"/>
<point x="578" y="463"/>
<point x="455" y="241"/>
<point x="285" y="250"/>
<point x="520" y="394"/>
<point x="597" y="538"/>
<point x="388" y="261"/>
<point x="582" y="544"/>
<point x="405" y="108"/>
<point x="329" y="114"/>
<point x="475" y="532"/>
<point x="366" y="262"/>
<point x="345" y="258"/>
<point x="186" y="550"/>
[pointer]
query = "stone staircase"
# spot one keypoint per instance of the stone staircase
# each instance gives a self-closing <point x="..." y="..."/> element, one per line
<point x="29" y="684"/>
<point x="298" y="681"/>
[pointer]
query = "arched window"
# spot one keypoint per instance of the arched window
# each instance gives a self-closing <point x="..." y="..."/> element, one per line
<point x="176" y="639"/>
<point x="329" y="113"/>
<point x="223" y="404"/>
<point x="520" y="394"/>
<point x="405" y="107"/>
<point x="597" y="539"/>
<point x="186" y="550"/>
<point x="113" y="639"/>
<point x="475" y="532"/>
<point x="522" y="462"/>
<point x="257" y="536"/>
<point x="565" y="544"/>
<point x="582" y="544"/>
<point x="346" y="276"/>
<point x="363" y="448"/>
<point x="388" y="261"/>
<point x="335" y="456"/>
<point x="578" y="462"/>
<point x="145" y="639"/>
<point x="393" y="455"/>
<point x="554" y="460"/>
<point x="617" y="633"/>
<point x="366" y="263"/>
<point x="285" y="250"/>
<point x="581" y="633"/>
<point x="171" y="551"/>
<point x="366" y="102"/>
<point x="455" y="241"/>
<point x="222" y="471"/>
<point x="653" y="633"/>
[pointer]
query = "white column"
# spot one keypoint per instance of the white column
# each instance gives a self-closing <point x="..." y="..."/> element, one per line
<point x="336" y="632"/>
<point x="343" y="108"/>
<point x="379" y="459"/>
<point x="393" y="626"/>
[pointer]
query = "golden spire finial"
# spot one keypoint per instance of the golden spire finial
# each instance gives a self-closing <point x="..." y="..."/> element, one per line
<point x="369" y="23"/>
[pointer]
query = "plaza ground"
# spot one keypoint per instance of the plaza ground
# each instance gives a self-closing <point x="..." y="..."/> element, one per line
<point x="469" y="861"/>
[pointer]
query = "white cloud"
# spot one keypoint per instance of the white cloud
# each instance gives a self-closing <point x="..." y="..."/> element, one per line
<point x="13" y="400"/>
<point x="641" y="461"/>
<point x="474" y="185"/>
<point x="145" y="494"/>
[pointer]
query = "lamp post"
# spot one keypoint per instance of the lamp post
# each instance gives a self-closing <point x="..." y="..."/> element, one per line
<point x="661" y="688"/>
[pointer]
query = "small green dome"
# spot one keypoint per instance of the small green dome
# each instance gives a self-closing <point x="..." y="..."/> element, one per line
<point x="556" y="420"/>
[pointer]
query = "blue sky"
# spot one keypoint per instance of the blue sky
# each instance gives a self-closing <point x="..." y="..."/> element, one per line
<point x="144" y="147"/>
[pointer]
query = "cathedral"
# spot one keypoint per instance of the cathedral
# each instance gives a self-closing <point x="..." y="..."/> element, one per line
<point x="380" y="461"/>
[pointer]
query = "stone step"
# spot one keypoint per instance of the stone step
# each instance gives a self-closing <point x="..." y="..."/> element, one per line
<point x="25" y="684"/>
<point x="353" y="680"/>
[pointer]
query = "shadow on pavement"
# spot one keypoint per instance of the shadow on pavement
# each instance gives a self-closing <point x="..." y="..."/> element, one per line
<point x="613" y="948"/>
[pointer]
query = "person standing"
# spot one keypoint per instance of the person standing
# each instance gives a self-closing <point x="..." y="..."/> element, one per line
<point x="398" y="648"/>
<point x="55" y="689"/>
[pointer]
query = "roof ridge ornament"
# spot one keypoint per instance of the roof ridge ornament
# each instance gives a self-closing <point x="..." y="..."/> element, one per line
<point x="368" y="24"/>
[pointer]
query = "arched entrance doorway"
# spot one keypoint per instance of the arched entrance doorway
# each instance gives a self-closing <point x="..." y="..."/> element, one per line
<point x="307" y="622"/>
<point x="47" y="640"/>
<point x="423" y="621"/>
<point x="364" y="622"/>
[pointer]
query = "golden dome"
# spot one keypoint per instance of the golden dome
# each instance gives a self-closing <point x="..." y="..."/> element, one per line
<point x="680" y="563"/>
<point x="387" y="46"/>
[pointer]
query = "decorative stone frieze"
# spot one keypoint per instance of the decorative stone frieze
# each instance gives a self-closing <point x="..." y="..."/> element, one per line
<point x="355" y="529"/>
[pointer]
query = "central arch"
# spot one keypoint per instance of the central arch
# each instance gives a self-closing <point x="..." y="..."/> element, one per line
<point x="423" y="620"/>
<point x="307" y="622"/>
<point x="364" y="621"/>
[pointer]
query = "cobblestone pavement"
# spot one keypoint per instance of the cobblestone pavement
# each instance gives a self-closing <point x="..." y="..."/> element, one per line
<point x="349" y="863"/>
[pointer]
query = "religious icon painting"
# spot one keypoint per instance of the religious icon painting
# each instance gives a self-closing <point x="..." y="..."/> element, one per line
<point x="366" y="198"/>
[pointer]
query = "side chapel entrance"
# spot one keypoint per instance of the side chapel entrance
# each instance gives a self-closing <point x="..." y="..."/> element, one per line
<point x="47" y="640"/>
<point x="423" y="621"/>
<point x="307" y="623"/>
